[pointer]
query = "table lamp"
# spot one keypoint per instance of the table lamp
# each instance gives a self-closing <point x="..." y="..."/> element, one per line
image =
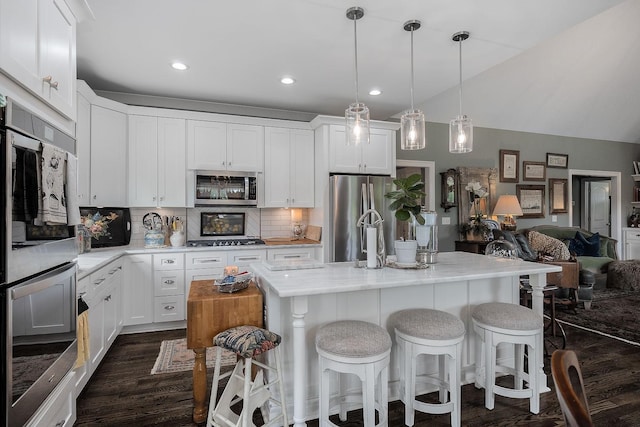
<point x="508" y="206"/>
<point x="296" y="223"/>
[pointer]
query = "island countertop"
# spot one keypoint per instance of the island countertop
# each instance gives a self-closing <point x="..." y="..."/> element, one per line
<point x="344" y="277"/>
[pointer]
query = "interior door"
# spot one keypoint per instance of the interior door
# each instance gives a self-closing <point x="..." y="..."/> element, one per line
<point x="599" y="202"/>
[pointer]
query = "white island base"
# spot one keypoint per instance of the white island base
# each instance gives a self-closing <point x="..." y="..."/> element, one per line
<point x="297" y="302"/>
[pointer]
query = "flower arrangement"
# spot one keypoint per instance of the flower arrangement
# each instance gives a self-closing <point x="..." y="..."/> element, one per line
<point x="98" y="225"/>
<point x="476" y="195"/>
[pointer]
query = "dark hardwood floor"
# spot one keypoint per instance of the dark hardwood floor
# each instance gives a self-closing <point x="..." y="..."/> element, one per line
<point x="123" y="393"/>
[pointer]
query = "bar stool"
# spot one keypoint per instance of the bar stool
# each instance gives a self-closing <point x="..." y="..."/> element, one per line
<point x="247" y="342"/>
<point x="499" y="322"/>
<point x="430" y="332"/>
<point x="359" y="348"/>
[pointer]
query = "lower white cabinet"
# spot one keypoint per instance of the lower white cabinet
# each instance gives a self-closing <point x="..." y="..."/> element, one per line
<point x="138" y="290"/>
<point x="282" y="254"/>
<point x="168" y="287"/>
<point x="59" y="409"/>
<point x="631" y="243"/>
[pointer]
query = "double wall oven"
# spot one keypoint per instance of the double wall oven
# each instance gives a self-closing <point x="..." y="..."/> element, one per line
<point x="37" y="268"/>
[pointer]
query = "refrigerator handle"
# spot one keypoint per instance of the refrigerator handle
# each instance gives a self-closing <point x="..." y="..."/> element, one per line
<point x="364" y="206"/>
<point x="372" y="203"/>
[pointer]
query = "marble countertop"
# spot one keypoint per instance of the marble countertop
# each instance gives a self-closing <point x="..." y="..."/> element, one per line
<point x="345" y="277"/>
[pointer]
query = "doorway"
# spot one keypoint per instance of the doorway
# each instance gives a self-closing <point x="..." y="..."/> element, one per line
<point x="576" y="177"/>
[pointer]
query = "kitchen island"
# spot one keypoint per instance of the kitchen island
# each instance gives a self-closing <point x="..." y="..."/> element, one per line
<point x="298" y="301"/>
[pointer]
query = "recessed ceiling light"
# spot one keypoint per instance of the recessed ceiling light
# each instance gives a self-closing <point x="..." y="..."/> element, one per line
<point x="287" y="80"/>
<point x="375" y="92"/>
<point x="179" y="66"/>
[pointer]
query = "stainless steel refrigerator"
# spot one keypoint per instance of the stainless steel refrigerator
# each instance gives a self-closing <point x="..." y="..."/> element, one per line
<point x="349" y="197"/>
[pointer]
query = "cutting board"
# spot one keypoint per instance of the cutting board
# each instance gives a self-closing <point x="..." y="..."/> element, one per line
<point x="314" y="233"/>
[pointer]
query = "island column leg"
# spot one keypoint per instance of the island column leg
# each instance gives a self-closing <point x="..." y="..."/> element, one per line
<point x="199" y="385"/>
<point x="538" y="283"/>
<point x="299" y="308"/>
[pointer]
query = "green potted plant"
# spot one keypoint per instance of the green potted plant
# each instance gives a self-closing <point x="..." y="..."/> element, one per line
<point x="475" y="228"/>
<point x="406" y="200"/>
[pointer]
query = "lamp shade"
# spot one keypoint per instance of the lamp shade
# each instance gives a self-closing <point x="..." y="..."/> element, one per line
<point x="508" y="205"/>
<point x="412" y="130"/>
<point x="296" y="215"/>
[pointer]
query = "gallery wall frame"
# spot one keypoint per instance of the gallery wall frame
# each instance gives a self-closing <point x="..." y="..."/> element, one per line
<point x="509" y="165"/>
<point x="558" y="196"/>
<point x="449" y="190"/>
<point x="532" y="200"/>
<point x="534" y="171"/>
<point x="555" y="160"/>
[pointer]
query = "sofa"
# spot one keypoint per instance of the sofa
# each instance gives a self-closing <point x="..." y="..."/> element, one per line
<point x="597" y="265"/>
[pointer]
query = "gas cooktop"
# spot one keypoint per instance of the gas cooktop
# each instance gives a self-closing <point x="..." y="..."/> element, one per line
<point x="224" y="242"/>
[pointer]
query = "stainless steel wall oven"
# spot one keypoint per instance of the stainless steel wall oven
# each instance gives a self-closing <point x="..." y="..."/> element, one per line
<point x="37" y="269"/>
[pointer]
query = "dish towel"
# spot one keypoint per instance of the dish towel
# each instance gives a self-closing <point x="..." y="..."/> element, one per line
<point x="54" y="209"/>
<point x="82" y="332"/>
<point x="71" y="191"/>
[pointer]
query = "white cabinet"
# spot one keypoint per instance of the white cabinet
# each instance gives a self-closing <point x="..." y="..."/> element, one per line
<point x="376" y="158"/>
<point x="169" y="296"/>
<point x="631" y="243"/>
<point x="59" y="409"/>
<point x="108" y="157"/>
<point x="138" y="290"/>
<point x="157" y="151"/>
<point x="221" y="146"/>
<point x="38" y="49"/>
<point x="286" y="253"/>
<point x="83" y="150"/>
<point x="288" y="168"/>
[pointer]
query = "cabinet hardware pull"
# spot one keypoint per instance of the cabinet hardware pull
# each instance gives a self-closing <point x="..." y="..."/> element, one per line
<point x="206" y="261"/>
<point x="54" y="85"/>
<point x="95" y="197"/>
<point x="168" y="261"/>
<point x="169" y="282"/>
<point x="60" y="423"/>
<point x="81" y="294"/>
<point x="107" y="298"/>
<point x="248" y="258"/>
<point x="97" y="282"/>
<point x="169" y="307"/>
<point x="292" y="256"/>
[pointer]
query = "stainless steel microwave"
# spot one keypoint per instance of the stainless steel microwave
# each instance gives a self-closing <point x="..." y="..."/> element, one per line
<point x="226" y="188"/>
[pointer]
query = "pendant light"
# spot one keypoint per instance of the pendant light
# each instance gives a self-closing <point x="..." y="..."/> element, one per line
<point x="357" y="115"/>
<point x="412" y="133"/>
<point x="460" y="128"/>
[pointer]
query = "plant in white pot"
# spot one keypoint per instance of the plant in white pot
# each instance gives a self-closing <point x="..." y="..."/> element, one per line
<point x="406" y="204"/>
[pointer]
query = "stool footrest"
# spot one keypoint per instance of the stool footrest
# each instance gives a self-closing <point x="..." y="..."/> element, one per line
<point x="433" y="408"/>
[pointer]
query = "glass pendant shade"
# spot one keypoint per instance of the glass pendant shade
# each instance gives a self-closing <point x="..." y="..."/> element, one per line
<point x="461" y="135"/>
<point x="357" y="119"/>
<point x="412" y="130"/>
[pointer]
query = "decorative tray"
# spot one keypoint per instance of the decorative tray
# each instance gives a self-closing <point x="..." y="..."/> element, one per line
<point x="415" y="266"/>
<point x="232" y="283"/>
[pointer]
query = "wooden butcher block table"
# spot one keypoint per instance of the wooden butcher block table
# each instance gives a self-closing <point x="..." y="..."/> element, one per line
<point x="208" y="313"/>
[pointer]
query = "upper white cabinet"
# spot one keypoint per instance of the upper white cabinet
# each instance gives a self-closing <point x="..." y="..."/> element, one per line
<point x="38" y="50"/>
<point x="375" y="158"/>
<point x="288" y="168"/>
<point x="108" y="157"/>
<point x="224" y="146"/>
<point x="157" y="150"/>
<point x="83" y="149"/>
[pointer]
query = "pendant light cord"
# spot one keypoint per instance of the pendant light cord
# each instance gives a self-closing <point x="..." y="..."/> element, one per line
<point x="355" y="41"/>
<point x="412" y="69"/>
<point x="460" y="86"/>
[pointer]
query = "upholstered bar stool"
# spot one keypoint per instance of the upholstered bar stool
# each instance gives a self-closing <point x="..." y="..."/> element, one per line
<point x="499" y="322"/>
<point x="248" y="342"/>
<point x="359" y="348"/>
<point x="429" y="332"/>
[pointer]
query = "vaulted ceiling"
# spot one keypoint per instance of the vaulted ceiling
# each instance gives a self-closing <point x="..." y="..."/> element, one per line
<point x="567" y="67"/>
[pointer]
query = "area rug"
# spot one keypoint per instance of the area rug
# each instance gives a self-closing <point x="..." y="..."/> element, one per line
<point x="612" y="314"/>
<point x="174" y="356"/>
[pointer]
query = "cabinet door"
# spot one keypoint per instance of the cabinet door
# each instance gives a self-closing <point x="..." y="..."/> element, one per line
<point x="206" y="145"/>
<point x="172" y="189"/>
<point x="137" y="294"/>
<point x="245" y="148"/>
<point x="19" y="41"/>
<point x="108" y="157"/>
<point x="277" y="171"/>
<point x="342" y="157"/>
<point x="632" y="244"/>
<point x="377" y="156"/>
<point x="58" y="55"/>
<point x="112" y="303"/>
<point x="143" y="161"/>
<point x="83" y="150"/>
<point x="97" y="337"/>
<point x="302" y="172"/>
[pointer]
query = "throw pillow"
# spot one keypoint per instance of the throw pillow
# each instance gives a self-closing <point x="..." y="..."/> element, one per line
<point x="591" y="244"/>
<point x="548" y="245"/>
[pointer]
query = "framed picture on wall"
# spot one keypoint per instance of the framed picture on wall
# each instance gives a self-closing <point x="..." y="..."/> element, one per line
<point x="534" y="171"/>
<point x="555" y="160"/>
<point x="509" y="160"/>
<point x="531" y="200"/>
<point x="558" y="197"/>
<point x="449" y="189"/>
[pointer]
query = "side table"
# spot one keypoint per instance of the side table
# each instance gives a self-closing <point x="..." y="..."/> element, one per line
<point x="475" y="247"/>
<point x="208" y="313"/>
